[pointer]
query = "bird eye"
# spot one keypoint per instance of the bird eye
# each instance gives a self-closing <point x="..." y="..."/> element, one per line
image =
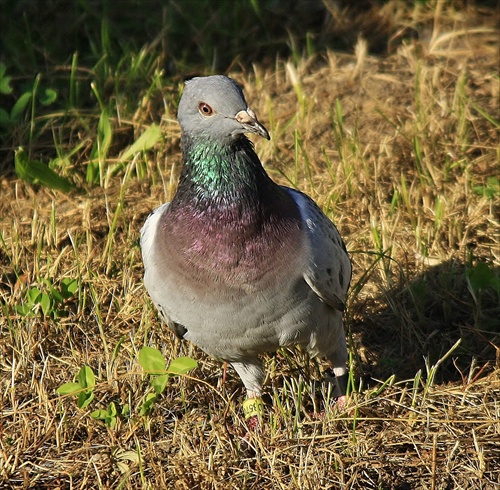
<point x="205" y="109"/>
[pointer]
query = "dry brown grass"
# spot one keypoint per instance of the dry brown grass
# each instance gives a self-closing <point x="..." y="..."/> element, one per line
<point x="401" y="176"/>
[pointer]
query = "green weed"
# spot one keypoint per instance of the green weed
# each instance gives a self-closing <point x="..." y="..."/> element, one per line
<point x="153" y="363"/>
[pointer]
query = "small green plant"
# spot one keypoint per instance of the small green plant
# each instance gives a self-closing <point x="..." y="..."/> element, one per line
<point x="144" y="142"/>
<point x="49" y="300"/>
<point x="480" y="277"/>
<point x="102" y="145"/>
<point x="26" y="104"/>
<point x="83" y="387"/>
<point x="5" y="89"/>
<point x="432" y="370"/>
<point x="111" y="414"/>
<point x="152" y="362"/>
<point x="36" y="172"/>
<point x="490" y="189"/>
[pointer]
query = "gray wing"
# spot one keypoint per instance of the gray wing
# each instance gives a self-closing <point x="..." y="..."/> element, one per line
<point x="329" y="269"/>
<point x="148" y="233"/>
<point x="148" y="244"/>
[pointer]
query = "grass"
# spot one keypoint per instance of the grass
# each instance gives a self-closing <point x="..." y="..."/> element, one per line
<point x="396" y="138"/>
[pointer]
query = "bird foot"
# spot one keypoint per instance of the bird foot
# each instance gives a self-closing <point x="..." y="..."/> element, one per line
<point x="253" y="423"/>
<point x="341" y="402"/>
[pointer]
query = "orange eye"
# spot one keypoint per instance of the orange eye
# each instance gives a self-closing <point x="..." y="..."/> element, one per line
<point x="205" y="109"/>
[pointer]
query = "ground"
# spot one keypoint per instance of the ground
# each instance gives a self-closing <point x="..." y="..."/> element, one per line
<point x="395" y="137"/>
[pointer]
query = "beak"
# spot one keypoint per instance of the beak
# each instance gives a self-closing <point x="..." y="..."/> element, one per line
<point x="250" y="124"/>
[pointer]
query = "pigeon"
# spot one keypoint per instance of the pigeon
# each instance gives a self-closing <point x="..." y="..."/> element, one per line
<point x="236" y="263"/>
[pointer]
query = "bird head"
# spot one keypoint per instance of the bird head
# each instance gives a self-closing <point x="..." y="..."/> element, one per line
<point x="216" y="108"/>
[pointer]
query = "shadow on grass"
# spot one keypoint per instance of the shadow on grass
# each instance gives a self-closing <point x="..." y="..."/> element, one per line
<point x="412" y="326"/>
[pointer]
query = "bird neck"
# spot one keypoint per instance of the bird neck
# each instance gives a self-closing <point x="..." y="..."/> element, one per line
<point x="222" y="174"/>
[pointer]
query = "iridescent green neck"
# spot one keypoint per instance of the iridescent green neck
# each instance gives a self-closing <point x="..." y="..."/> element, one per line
<point x="220" y="172"/>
